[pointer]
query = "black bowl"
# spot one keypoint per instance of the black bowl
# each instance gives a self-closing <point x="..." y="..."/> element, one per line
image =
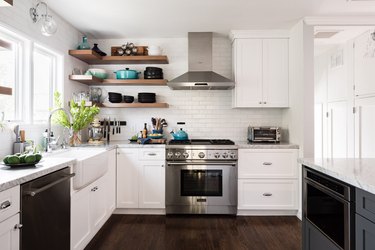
<point x="114" y="95"/>
<point x="128" y="98"/>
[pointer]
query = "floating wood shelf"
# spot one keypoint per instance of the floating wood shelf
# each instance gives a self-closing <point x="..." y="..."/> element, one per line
<point x="5" y="91"/>
<point x="86" y="79"/>
<point x="135" y="105"/>
<point x="91" y="57"/>
<point x="92" y="80"/>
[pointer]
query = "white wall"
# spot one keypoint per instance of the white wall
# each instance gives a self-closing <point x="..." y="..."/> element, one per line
<point x="17" y="19"/>
<point x="207" y="113"/>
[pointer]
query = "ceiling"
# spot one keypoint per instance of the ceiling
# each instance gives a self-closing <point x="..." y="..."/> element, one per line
<point x="174" y="18"/>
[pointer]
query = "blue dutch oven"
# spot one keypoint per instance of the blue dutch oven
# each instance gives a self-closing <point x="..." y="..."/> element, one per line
<point x="126" y="74"/>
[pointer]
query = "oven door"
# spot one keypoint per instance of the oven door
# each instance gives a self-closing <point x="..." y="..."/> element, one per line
<point x="201" y="187"/>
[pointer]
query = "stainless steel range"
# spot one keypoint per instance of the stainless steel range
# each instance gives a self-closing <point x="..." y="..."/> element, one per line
<point x="201" y="177"/>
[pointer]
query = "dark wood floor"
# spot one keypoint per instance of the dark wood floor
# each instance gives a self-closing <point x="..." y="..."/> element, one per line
<point x="198" y="232"/>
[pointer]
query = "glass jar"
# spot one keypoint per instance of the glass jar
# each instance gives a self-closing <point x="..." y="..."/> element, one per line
<point x="84" y="44"/>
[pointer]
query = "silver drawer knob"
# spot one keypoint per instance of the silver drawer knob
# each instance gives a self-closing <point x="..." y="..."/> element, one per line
<point x="18" y="226"/>
<point x="5" y="205"/>
<point x="267" y="194"/>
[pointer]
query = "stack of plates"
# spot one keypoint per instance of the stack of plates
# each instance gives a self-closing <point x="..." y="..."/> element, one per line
<point x="146" y="97"/>
<point x="114" y="97"/>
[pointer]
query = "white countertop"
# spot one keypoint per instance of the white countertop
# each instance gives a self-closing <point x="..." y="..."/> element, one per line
<point x="10" y="177"/>
<point x="265" y="145"/>
<point x="356" y="172"/>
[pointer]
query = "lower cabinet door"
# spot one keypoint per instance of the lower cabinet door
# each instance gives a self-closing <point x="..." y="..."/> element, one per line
<point x="313" y="239"/>
<point x="80" y="219"/>
<point x="10" y="234"/>
<point x="98" y="205"/>
<point x="152" y="185"/>
<point x="365" y="233"/>
<point x="270" y="194"/>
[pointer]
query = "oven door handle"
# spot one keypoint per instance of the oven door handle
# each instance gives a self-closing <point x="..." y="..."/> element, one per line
<point x="326" y="190"/>
<point x="201" y="163"/>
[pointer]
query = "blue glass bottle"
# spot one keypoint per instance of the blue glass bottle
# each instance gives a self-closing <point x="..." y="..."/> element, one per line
<point x="84" y="44"/>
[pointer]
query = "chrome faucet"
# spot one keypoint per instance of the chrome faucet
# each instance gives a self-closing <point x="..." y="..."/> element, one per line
<point x="48" y="138"/>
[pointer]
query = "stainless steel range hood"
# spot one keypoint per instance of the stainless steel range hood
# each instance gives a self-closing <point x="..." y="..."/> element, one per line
<point x="200" y="75"/>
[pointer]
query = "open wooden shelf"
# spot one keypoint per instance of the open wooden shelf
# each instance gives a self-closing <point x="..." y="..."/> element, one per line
<point x="86" y="79"/>
<point x="5" y="91"/>
<point x="91" y="57"/>
<point x="92" y="80"/>
<point x="134" y="105"/>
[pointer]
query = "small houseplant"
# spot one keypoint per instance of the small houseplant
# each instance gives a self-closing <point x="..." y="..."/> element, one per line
<point x="82" y="117"/>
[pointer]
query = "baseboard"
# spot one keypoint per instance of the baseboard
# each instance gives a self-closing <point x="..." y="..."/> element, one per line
<point x="267" y="212"/>
<point x="139" y="211"/>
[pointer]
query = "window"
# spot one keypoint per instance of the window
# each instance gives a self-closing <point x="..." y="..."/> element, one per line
<point x="33" y="72"/>
<point x="9" y="77"/>
<point x="44" y="81"/>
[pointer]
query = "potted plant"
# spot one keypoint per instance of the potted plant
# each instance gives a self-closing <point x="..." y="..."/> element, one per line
<point x="82" y="117"/>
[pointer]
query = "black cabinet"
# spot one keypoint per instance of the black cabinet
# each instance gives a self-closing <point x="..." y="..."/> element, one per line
<point x="316" y="240"/>
<point x="365" y="233"/>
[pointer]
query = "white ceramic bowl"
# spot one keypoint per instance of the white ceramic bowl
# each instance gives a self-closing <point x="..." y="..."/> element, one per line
<point x="154" y="52"/>
<point x="97" y="71"/>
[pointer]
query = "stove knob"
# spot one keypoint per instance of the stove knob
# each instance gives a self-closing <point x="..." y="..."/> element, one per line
<point x="217" y="155"/>
<point x="170" y="155"/>
<point x="186" y="155"/>
<point x="225" y="155"/>
<point x="201" y="155"/>
<point x="177" y="154"/>
<point x="232" y="155"/>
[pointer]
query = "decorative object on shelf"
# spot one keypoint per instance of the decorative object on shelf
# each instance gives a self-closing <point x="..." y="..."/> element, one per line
<point x="128" y="49"/>
<point x="146" y="97"/>
<point x="99" y="73"/>
<point x="48" y="25"/>
<point x="114" y="97"/>
<point x="128" y="98"/>
<point x="82" y="117"/>
<point x="81" y="96"/>
<point x="77" y="71"/>
<point x="153" y="73"/>
<point x="84" y="45"/>
<point x="127" y="74"/>
<point x="96" y="95"/>
<point x="154" y="50"/>
<point x="97" y="50"/>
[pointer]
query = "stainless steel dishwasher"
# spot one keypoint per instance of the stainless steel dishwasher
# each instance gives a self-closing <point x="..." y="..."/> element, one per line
<point x="45" y="212"/>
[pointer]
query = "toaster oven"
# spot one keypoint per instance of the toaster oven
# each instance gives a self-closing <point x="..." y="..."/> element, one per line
<point x="264" y="134"/>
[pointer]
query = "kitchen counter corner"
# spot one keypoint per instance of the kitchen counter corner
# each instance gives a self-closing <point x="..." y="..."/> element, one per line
<point x="356" y="172"/>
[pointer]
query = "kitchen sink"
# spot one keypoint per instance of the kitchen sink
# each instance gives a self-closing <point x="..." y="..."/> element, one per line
<point x="92" y="163"/>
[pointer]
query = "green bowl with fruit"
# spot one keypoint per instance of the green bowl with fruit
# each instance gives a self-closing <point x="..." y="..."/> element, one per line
<point x="22" y="160"/>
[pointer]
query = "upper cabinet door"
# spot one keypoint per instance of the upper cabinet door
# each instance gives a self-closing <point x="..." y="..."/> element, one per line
<point x="364" y="64"/>
<point x="248" y="73"/>
<point x="364" y="128"/>
<point x="275" y="72"/>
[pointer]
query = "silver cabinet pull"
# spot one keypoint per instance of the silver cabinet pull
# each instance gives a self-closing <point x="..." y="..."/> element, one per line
<point x="18" y="226"/>
<point x="264" y="102"/>
<point x="94" y="189"/>
<point x="5" y="205"/>
<point x="267" y="163"/>
<point x="162" y="166"/>
<point x="260" y="102"/>
<point x="151" y="154"/>
<point x="267" y="194"/>
<point x="33" y="192"/>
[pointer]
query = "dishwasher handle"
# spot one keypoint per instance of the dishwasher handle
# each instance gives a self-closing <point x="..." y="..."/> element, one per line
<point x="33" y="192"/>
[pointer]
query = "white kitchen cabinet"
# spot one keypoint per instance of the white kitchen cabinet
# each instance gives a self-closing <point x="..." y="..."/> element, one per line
<point x="152" y="185"/>
<point x="363" y="67"/>
<point x="141" y="178"/>
<point x="267" y="181"/>
<point x="92" y="206"/>
<point x="337" y="129"/>
<point x="10" y="234"/>
<point x="364" y="128"/>
<point x="127" y="177"/>
<point x="261" y="73"/>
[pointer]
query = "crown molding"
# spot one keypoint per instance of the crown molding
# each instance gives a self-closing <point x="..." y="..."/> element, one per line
<point x="340" y="20"/>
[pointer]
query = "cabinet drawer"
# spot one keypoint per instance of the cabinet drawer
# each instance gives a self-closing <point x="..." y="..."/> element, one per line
<point x="9" y="202"/>
<point x="151" y="154"/>
<point x="365" y="204"/>
<point x="267" y="163"/>
<point x="267" y="194"/>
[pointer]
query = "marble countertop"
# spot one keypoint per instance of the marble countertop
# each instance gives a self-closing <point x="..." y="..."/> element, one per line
<point x="264" y="145"/>
<point x="356" y="172"/>
<point x="10" y="177"/>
